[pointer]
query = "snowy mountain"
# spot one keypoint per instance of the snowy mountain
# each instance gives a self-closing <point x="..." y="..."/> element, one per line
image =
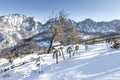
<point x="90" y="26"/>
<point x="15" y="27"/>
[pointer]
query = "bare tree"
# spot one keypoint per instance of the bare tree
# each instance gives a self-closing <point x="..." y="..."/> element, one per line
<point x="57" y="29"/>
<point x="73" y="35"/>
<point x="63" y="30"/>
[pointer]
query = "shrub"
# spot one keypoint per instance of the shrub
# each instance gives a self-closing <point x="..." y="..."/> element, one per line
<point x="116" y="45"/>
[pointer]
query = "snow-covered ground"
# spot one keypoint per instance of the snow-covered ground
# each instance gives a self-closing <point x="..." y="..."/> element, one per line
<point x="97" y="62"/>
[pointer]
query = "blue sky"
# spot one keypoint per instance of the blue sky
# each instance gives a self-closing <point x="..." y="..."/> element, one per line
<point x="78" y="10"/>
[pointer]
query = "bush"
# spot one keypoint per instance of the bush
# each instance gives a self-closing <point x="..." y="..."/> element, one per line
<point x="116" y="45"/>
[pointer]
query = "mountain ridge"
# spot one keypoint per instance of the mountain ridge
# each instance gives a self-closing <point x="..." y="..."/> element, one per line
<point x="15" y="27"/>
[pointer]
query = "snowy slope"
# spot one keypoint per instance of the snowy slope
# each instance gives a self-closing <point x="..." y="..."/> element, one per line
<point x="98" y="62"/>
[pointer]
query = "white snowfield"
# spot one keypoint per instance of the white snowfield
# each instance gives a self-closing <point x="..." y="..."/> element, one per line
<point x="97" y="62"/>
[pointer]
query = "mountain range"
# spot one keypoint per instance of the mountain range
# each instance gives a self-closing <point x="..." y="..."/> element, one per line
<point x="15" y="27"/>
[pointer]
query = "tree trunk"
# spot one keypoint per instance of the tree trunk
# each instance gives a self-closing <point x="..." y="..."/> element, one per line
<point x="51" y="42"/>
<point x="57" y="57"/>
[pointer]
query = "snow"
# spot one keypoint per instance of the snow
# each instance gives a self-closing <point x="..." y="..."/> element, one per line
<point x="98" y="62"/>
<point x="91" y="26"/>
<point x="3" y="61"/>
<point x="19" y="27"/>
<point x="15" y="27"/>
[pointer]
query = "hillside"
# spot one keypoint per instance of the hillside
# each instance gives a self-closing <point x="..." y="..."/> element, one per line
<point x="97" y="62"/>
